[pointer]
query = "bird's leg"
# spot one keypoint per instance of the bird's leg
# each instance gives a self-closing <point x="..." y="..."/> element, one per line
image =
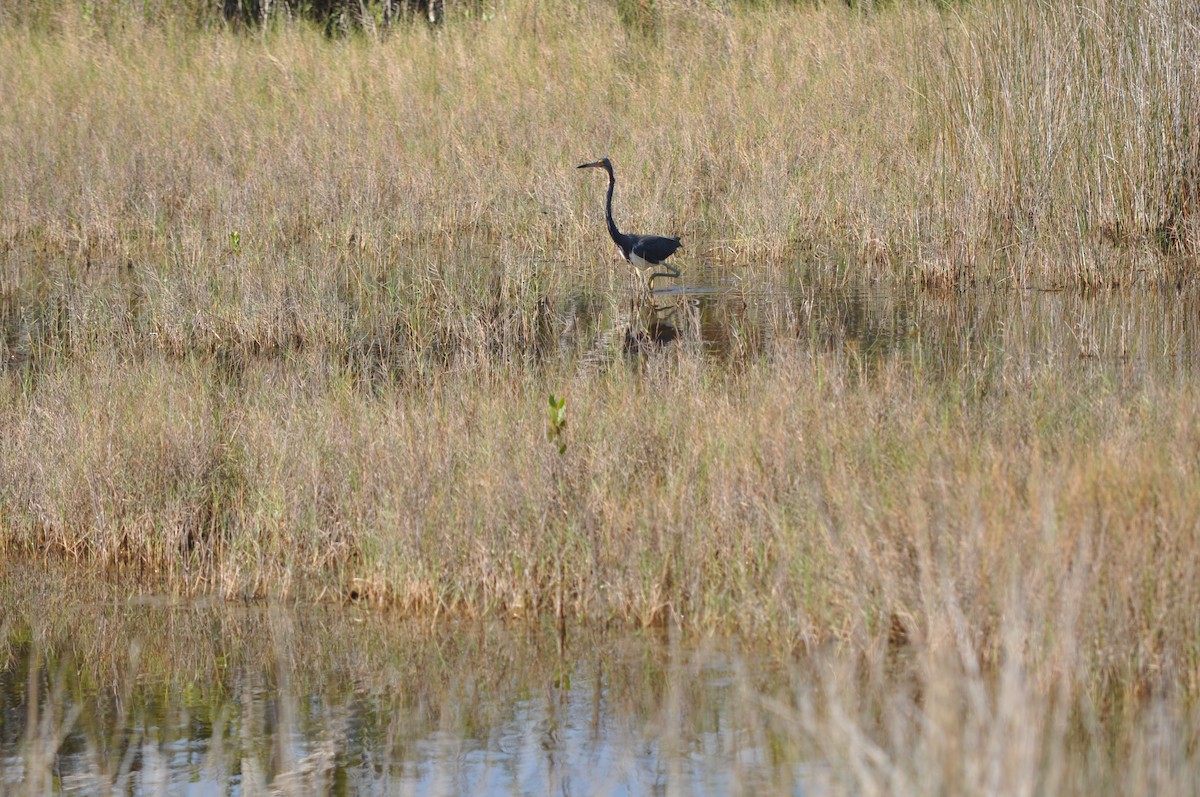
<point x="671" y="271"/>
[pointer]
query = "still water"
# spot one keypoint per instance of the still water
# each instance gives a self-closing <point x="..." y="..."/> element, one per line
<point x="1151" y="331"/>
<point x="156" y="696"/>
<point x="724" y="311"/>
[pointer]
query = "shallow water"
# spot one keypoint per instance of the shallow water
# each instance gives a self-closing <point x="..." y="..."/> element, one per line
<point x="1146" y="330"/>
<point x="723" y="310"/>
<point x="152" y="696"/>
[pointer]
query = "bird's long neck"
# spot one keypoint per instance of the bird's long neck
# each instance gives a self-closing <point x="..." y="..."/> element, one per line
<point x="612" y="225"/>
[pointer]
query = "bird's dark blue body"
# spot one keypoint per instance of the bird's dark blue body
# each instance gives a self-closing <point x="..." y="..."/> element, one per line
<point x="643" y="251"/>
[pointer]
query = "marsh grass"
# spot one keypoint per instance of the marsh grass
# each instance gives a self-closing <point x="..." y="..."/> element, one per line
<point x="281" y="314"/>
<point x="1075" y="140"/>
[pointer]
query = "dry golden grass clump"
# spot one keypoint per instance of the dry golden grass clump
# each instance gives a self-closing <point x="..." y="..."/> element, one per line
<point x="797" y="497"/>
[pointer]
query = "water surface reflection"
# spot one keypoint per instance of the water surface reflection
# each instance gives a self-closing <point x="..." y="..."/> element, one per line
<point x="156" y="696"/>
<point x="1147" y="331"/>
<point x="727" y="312"/>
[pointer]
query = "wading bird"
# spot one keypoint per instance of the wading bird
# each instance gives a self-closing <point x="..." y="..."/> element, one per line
<point x="642" y="251"/>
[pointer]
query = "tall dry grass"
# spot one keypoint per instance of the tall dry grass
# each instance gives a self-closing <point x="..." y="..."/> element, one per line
<point x="1044" y="143"/>
<point x="797" y="497"/>
<point x="282" y="312"/>
<point x="1069" y="136"/>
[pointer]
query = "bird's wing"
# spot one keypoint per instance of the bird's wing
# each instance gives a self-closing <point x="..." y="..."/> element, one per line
<point x="655" y="248"/>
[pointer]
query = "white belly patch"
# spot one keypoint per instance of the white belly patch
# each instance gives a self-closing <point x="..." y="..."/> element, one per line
<point x="639" y="261"/>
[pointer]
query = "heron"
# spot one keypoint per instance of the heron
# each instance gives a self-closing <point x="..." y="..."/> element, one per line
<point x="644" y="252"/>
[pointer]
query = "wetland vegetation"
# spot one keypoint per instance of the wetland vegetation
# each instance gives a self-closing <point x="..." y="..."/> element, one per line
<point x="280" y="313"/>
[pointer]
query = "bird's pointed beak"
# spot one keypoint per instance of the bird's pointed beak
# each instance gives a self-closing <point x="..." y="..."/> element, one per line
<point x="596" y="164"/>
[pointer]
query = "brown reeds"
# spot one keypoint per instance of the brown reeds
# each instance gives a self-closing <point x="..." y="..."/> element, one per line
<point x="281" y="314"/>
